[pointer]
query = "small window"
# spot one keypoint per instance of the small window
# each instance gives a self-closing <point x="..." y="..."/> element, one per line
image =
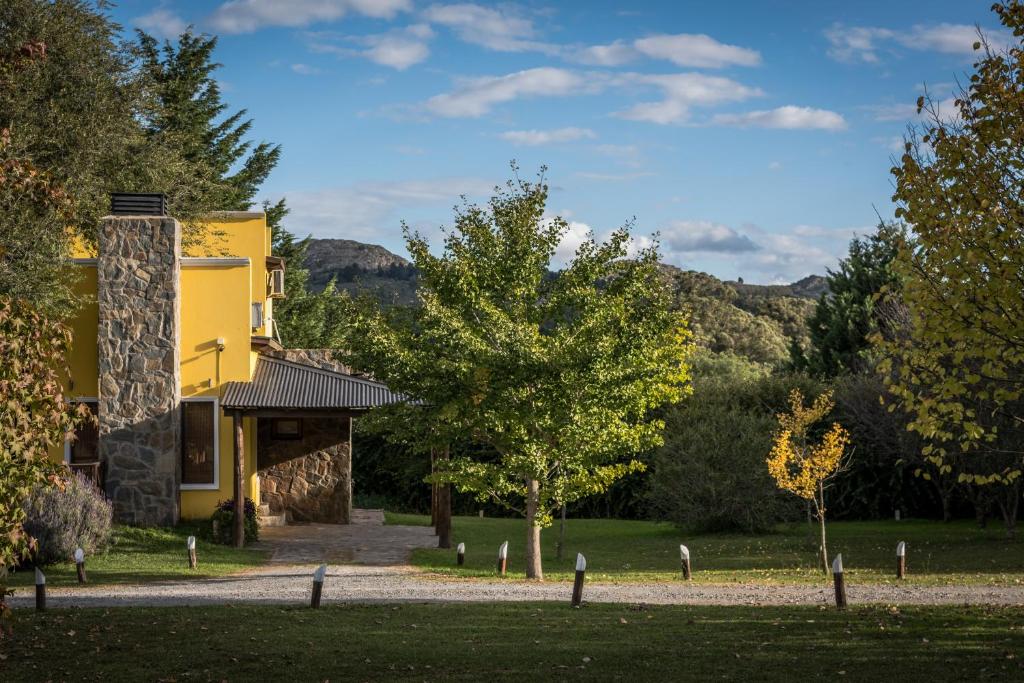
<point x="85" y="446"/>
<point x="286" y="429"/>
<point x="199" y="443"/>
<point x="257" y="315"/>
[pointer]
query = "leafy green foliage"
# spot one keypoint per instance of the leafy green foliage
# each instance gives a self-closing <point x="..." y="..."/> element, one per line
<point x="960" y="369"/>
<point x="710" y="475"/>
<point x="845" y="317"/>
<point x="747" y="323"/>
<point x="558" y="375"/>
<point x="32" y="260"/>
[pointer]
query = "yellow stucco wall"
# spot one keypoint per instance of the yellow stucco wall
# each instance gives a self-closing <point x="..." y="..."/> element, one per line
<point x="216" y="296"/>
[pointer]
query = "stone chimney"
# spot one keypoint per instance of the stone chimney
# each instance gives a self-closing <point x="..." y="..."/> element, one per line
<point x="138" y="272"/>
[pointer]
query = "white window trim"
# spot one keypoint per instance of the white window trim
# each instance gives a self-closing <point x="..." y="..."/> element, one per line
<point x="216" y="445"/>
<point x="67" y="442"/>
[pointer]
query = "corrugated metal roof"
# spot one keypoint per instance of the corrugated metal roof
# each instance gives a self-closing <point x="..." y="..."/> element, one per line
<point x="282" y="384"/>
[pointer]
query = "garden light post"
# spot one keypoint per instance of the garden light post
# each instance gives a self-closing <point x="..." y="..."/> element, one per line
<point x="837" y="576"/>
<point x="190" y="544"/>
<point x="40" y="590"/>
<point x="318" y="585"/>
<point x="901" y="560"/>
<point x="460" y="553"/>
<point x="577" y="586"/>
<point x="503" y="558"/>
<point x="80" y="564"/>
<point x="684" y="560"/>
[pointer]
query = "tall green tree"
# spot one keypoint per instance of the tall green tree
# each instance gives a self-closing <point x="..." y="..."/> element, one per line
<point x="75" y="114"/>
<point x="960" y="369"/>
<point x="845" y="316"/>
<point x="185" y="111"/>
<point x="557" y="374"/>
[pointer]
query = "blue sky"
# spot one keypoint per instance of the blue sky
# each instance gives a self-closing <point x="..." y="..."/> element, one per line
<point x="755" y="137"/>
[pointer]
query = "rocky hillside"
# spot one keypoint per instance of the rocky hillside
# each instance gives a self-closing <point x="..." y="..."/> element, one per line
<point x="357" y="267"/>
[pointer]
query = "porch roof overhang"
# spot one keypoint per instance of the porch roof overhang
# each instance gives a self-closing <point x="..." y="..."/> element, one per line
<point x="282" y="387"/>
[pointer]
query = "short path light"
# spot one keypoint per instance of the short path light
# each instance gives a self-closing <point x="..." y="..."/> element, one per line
<point x="837" y="576"/>
<point x="577" y="586"/>
<point x="460" y="552"/>
<point x="684" y="560"/>
<point x="80" y="564"/>
<point x="503" y="558"/>
<point x="40" y="590"/>
<point x="318" y="585"/>
<point x="190" y="544"/>
<point x="901" y="560"/>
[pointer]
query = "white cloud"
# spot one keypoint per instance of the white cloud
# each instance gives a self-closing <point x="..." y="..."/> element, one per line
<point x="305" y="69"/>
<point x="612" y="177"/>
<point x="499" y="29"/>
<point x="545" y="137"/>
<point x="398" y="49"/>
<point x="865" y="43"/>
<point x="626" y="155"/>
<point x="696" y="50"/>
<point x="245" y="16"/>
<point x="373" y="210"/>
<point x="705" y="236"/>
<point x="162" y="23"/>
<point x="681" y="93"/>
<point x="613" y="54"/>
<point x="475" y="97"/>
<point x="788" y="117"/>
<point x="775" y="166"/>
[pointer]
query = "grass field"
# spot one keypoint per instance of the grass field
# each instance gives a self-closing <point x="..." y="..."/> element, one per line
<point x="149" y="554"/>
<point x="525" y="642"/>
<point x="948" y="554"/>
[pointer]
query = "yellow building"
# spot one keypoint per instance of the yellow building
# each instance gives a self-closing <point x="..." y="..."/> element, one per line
<point x="177" y="354"/>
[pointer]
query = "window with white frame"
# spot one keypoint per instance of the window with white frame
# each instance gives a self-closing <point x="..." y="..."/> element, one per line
<point x="200" y="438"/>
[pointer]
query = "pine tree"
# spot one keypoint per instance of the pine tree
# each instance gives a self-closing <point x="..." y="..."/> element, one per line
<point x="185" y="111"/>
<point x="845" y="316"/>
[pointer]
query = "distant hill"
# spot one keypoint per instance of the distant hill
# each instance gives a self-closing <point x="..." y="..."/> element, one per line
<point x="810" y="287"/>
<point x="758" y="322"/>
<point x="358" y="267"/>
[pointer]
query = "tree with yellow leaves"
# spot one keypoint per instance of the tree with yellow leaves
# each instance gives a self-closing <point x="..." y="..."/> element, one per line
<point x="802" y="466"/>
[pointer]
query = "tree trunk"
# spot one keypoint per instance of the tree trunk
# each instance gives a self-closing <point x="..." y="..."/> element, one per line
<point x="821" y="519"/>
<point x="561" y="536"/>
<point x="1009" y="505"/>
<point x="444" y="509"/>
<point x="433" y="490"/>
<point x="534" y="570"/>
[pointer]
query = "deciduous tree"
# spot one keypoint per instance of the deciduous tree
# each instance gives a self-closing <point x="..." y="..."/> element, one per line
<point x="557" y="373"/>
<point x="960" y="370"/>
<point x="802" y="465"/>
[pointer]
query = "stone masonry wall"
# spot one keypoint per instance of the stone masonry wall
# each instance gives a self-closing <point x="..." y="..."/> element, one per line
<point x="139" y="378"/>
<point x="310" y="478"/>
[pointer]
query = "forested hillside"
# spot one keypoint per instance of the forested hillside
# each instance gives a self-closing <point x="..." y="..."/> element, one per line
<point x="757" y="322"/>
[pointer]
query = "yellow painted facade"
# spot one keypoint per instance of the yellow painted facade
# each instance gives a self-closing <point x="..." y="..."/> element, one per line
<point x="220" y="281"/>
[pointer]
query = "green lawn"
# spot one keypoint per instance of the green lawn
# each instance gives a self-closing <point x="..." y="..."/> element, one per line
<point x="520" y="642"/>
<point x="150" y="554"/>
<point x="937" y="553"/>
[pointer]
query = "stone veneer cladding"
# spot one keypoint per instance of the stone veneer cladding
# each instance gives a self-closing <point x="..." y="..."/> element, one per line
<point x="310" y="478"/>
<point x="139" y="275"/>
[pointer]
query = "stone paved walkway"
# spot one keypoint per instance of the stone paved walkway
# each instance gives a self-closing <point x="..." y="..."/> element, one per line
<point x="366" y="541"/>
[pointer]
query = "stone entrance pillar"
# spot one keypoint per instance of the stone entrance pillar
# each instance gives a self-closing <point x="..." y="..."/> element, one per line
<point x="139" y="279"/>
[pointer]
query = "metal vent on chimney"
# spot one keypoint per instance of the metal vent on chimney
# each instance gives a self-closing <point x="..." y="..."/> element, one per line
<point x="137" y="204"/>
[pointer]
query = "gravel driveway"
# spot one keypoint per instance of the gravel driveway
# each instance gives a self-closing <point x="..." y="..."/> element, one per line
<point x="368" y="564"/>
<point x="369" y="584"/>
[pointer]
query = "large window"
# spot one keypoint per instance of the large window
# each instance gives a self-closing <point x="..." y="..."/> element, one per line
<point x="199" y="449"/>
<point x="85" y="446"/>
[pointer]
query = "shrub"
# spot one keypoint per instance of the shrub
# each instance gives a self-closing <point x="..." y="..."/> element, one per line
<point x="710" y="474"/>
<point x="224" y="522"/>
<point x="62" y="519"/>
